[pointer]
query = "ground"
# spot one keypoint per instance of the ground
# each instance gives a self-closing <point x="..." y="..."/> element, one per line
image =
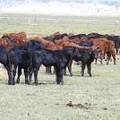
<point x="80" y="98"/>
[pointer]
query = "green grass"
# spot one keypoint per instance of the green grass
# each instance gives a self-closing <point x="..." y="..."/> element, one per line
<point x="40" y="24"/>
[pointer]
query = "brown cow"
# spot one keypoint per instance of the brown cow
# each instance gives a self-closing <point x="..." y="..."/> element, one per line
<point x="106" y="48"/>
<point x="18" y="38"/>
<point x="48" y="44"/>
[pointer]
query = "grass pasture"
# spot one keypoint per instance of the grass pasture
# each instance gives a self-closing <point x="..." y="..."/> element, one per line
<point x="41" y="24"/>
<point x="93" y="98"/>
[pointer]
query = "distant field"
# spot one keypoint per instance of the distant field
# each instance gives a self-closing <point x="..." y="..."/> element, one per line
<point x="39" y="24"/>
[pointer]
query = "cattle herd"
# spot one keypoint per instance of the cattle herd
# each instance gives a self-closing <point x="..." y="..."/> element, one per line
<point x="18" y="52"/>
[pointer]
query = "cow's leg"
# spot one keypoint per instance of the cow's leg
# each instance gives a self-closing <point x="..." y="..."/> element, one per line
<point x="108" y="58"/>
<point x="82" y="69"/>
<point x="95" y="60"/>
<point x="30" y="75"/>
<point x="13" y="74"/>
<point x="70" y="68"/>
<point x="48" y="70"/>
<point x="59" y="75"/>
<point x="9" y="77"/>
<point x="117" y="50"/>
<point x="19" y="74"/>
<point x="65" y="71"/>
<point x="114" y="58"/>
<point x="36" y="76"/>
<point x="89" y="69"/>
<point x="26" y="76"/>
<point x="101" y="58"/>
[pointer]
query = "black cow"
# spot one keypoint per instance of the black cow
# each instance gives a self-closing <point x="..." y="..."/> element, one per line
<point x="79" y="36"/>
<point x="85" y="43"/>
<point x="87" y="58"/>
<point x="4" y="59"/>
<point x="94" y="35"/>
<point x="25" y="57"/>
<point x="59" y="59"/>
<point x="19" y="58"/>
